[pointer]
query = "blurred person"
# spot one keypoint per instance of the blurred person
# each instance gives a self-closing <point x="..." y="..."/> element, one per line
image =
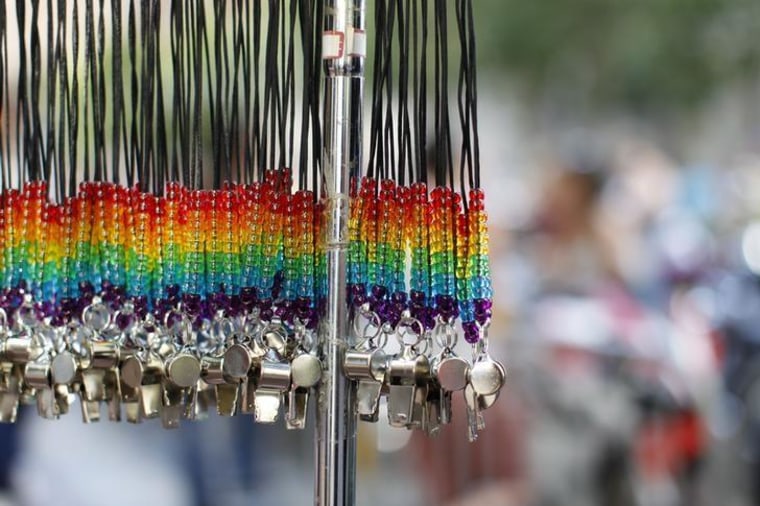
<point x="570" y="252"/>
<point x="595" y="367"/>
<point x="206" y="463"/>
<point x="68" y="462"/>
<point x="489" y="471"/>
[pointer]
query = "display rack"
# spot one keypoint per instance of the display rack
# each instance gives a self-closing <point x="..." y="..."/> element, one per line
<point x="343" y="52"/>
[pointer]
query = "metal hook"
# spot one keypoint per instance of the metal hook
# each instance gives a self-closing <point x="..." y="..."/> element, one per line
<point x="406" y="327"/>
<point x="451" y="337"/>
<point x="480" y="348"/>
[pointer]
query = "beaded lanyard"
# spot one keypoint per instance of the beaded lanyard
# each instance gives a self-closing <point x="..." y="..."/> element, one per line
<point x="159" y="247"/>
<point x="413" y="248"/>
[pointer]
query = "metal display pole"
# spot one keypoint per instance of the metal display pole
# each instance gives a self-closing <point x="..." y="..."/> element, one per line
<point x="343" y="48"/>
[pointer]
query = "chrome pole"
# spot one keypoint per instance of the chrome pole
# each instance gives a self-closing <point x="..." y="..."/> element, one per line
<point x="343" y="48"/>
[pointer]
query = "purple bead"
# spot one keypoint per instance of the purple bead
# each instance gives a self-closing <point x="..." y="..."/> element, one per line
<point x="67" y="307"/>
<point x="303" y="313"/>
<point x="399" y="297"/>
<point x="266" y="314"/>
<point x="302" y="302"/>
<point x="313" y="320"/>
<point x="23" y="286"/>
<point x="113" y="297"/>
<point x="86" y="289"/>
<point x="14" y="298"/>
<point x="235" y="306"/>
<point x="81" y="304"/>
<point x="484" y="317"/>
<point x="445" y="303"/>
<point x="482" y="304"/>
<point x="163" y="305"/>
<point x="46" y="308"/>
<point x="173" y="300"/>
<point x="398" y="307"/>
<point x="141" y="305"/>
<point x="124" y="320"/>
<point x="108" y="294"/>
<point x="360" y="300"/>
<point x="282" y="308"/>
<point x="381" y="308"/>
<point x="428" y="320"/>
<point x="379" y="292"/>
<point x="448" y="315"/>
<point x="58" y="320"/>
<point x="159" y="312"/>
<point x="248" y="298"/>
<point x="417" y="297"/>
<point x="424" y="316"/>
<point x="191" y="303"/>
<point x="219" y="302"/>
<point x="208" y="309"/>
<point x="172" y="290"/>
<point x="358" y="289"/>
<point x="471" y="332"/>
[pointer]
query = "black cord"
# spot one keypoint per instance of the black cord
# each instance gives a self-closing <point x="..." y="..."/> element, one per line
<point x="89" y="56"/>
<point x="473" y="94"/>
<point x="22" y="121"/>
<point x="290" y="89"/>
<point x="390" y="152"/>
<point x="317" y="7"/>
<point x="63" y="94"/>
<point x="197" y="52"/>
<point x="134" y="140"/>
<point x="162" y="151"/>
<point x="118" y="92"/>
<point x="50" y="158"/>
<point x="258" y="122"/>
<point x="5" y="125"/>
<point x="38" y="152"/>
<point x="217" y="117"/>
<point x="377" y="78"/>
<point x="463" y="100"/>
<point x="99" y="89"/>
<point x="422" y="95"/>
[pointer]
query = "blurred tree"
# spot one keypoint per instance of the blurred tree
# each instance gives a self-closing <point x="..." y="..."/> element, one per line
<point x="642" y="54"/>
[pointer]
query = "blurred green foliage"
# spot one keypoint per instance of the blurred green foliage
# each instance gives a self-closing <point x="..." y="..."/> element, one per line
<point x="632" y="53"/>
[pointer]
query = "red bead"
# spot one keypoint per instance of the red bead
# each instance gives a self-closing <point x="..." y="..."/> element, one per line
<point x="476" y="194"/>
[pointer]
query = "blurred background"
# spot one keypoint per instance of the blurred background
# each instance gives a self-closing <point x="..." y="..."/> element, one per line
<point x="620" y="150"/>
